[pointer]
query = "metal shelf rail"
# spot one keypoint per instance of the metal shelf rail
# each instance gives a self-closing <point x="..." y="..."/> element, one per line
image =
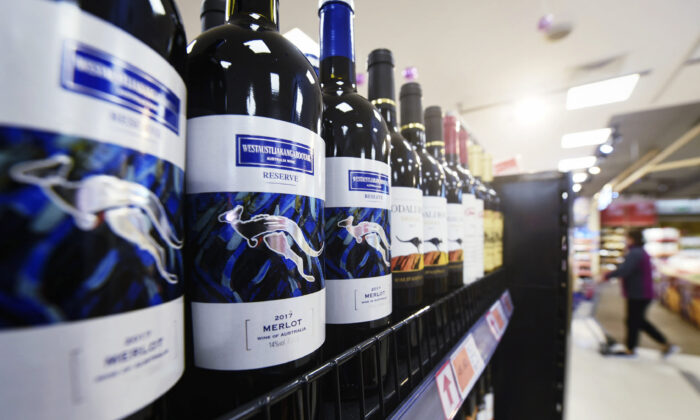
<point x="373" y="378"/>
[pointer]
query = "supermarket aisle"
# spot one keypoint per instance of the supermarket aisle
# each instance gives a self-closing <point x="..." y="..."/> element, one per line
<point x="644" y="388"/>
<point x="610" y="312"/>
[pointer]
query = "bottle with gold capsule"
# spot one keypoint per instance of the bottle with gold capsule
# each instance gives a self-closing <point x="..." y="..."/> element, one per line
<point x="481" y="193"/>
<point x="406" y="195"/>
<point x="435" y="141"/>
<point x="434" y="195"/>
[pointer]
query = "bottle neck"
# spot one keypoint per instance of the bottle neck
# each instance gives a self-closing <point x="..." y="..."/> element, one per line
<point x="415" y="134"/>
<point x="387" y="108"/>
<point x="452" y="159"/>
<point x="337" y="48"/>
<point x="255" y="14"/>
<point x="464" y="154"/>
<point x="437" y="149"/>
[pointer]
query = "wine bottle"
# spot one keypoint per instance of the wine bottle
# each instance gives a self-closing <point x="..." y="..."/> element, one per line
<point x="406" y="195"/>
<point x="434" y="195"/>
<point x="454" y="149"/>
<point x="212" y="14"/>
<point x="481" y="411"/>
<point x="470" y="406"/>
<point x="489" y="215"/>
<point x="489" y="395"/>
<point x="357" y="252"/>
<point x="255" y="195"/>
<point x="435" y="144"/>
<point x="496" y="217"/>
<point x="475" y="164"/>
<point x="92" y="137"/>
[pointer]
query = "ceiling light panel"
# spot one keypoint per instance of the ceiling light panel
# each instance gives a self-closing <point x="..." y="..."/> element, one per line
<point x="585" y="138"/>
<point x="608" y="91"/>
<point x="566" y="165"/>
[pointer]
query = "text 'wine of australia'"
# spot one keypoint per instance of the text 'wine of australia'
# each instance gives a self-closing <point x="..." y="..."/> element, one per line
<point x="255" y="195"/>
<point x="357" y="252"/>
<point x="435" y="144"/>
<point x="406" y="195"/>
<point x="435" y="250"/>
<point x="92" y="137"/>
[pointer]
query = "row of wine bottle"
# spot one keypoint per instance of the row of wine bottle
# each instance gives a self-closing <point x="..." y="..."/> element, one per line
<point x="305" y="214"/>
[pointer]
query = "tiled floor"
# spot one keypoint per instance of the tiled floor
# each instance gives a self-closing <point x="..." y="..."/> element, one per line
<point x="643" y="388"/>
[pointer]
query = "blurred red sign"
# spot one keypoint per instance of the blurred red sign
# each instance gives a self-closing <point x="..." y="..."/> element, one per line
<point x="629" y="213"/>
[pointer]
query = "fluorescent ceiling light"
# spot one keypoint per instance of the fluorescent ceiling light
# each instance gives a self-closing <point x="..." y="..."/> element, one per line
<point x="585" y="138"/>
<point x="617" y="89"/>
<point x="576" y="187"/>
<point x="579" y="177"/>
<point x="566" y="165"/>
<point x="530" y="110"/>
<point x="594" y="170"/>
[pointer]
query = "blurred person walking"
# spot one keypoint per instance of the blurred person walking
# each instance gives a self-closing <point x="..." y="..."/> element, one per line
<point x="638" y="290"/>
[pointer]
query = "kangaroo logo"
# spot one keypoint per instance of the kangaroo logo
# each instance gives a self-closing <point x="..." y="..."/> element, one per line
<point x="458" y="240"/>
<point x="371" y="232"/>
<point x="413" y="241"/>
<point x="436" y="242"/>
<point x="128" y="208"/>
<point x="273" y="230"/>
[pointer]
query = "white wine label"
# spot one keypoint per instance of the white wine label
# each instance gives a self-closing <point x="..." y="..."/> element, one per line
<point x="479" y="239"/>
<point x="455" y="231"/>
<point x="354" y="182"/>
<point x="358" y="300"/>
<point x="435" y="230"/>
<point x="257" y="334"/>
<point x="406" y="232"/>
<point x="92" y="134"/>
<point x="256" y="193"/>
<point x="78" y="367"/>
<point x="254" y="154"/>
<point x="488" y="401"/>
<point x="89" y="79"/>
<point x="358" y="251"/>
<point x="471" y="239"/>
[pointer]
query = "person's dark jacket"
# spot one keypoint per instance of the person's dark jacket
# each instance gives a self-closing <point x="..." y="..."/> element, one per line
<point x="635" y="271"/>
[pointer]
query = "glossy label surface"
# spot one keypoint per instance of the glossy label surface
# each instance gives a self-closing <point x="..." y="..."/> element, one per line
<point x="92" y="137"/>
<point x="358" y="247"/>
<point x="435" y="231"/>
<point x="256" y="235"/>
<point x="406" y="234"/>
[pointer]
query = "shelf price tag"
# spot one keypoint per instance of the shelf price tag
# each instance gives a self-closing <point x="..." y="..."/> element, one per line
<point x="507" y="303"/>
<point x="463" y="368"/>
<point x="447" y="389"/>
<point x="495" y="320"/>
<point x="500" y="315"/>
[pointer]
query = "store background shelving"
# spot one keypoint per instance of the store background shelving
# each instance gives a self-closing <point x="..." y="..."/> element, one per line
<point x="612" y="247"/>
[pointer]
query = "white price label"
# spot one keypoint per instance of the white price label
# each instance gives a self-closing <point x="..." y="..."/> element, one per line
<point x="447" y="388"/>
<point x="496" y="322"/>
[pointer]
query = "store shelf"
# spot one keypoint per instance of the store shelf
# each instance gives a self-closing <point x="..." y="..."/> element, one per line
<point x="401" y="360"/>
<point x="450" y="382"/>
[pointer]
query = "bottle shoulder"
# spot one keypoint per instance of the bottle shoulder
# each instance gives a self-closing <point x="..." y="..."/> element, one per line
<point x="466" y="177"/>
<point x="234" y="70"/>
<point x="429" y="164"/>
<point x="353" y="127"/>
<point x="405" y="163"/>
<point x="156" y="23"/>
